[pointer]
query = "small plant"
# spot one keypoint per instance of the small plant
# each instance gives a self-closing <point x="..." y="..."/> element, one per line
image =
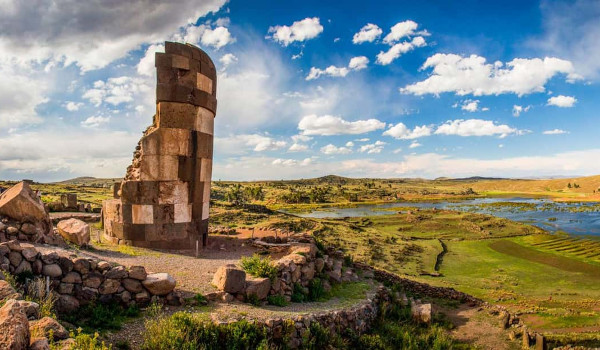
<point x="200" y="299"/>
<point x="154" y="310"/>
<point x="277" y="300"/>
<point x="298" y="295"/>
<point x="97" y="317"/>
<point x="83" y="341"/>
<point x="316" y="291"/>
<point x="259" y="267"/>
<point x="253" y="299"/>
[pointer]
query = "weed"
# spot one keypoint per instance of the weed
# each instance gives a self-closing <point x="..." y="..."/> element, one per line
<point x="277" y="300"/>
<point x="253" y="299"/>
<point x="259" y="267"/>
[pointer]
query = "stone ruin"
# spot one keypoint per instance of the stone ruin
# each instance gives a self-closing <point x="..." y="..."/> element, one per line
<point x="163" y="201"/>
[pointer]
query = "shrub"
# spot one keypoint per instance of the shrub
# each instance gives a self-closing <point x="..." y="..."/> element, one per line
<point x="298" y="295"/>
<point x="98" y="317"/>
<point x="259" y="267"/>
<point x="315" y="290"/>
<point x="253" y="299"/>
<point x="83" y="341"/>
<point x="184" y="331"/>
<point x="277" y="300"/>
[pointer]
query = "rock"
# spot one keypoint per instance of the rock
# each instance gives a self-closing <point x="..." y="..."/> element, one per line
<point x="81" y="265"/>
<point x="14" y="326"/>
<point x="540" y="342"/>
<point x="230" y="279"/>
<point x="32" y="309"/>
<point x="24" y="266"/>
<point x="335" y="275"/>
<point x="29" y="252"/>
<point x="259" y="287"/>
<point x="142" y="298"/>
<point x="72" y="277"/>
<point x="74" y="231"/>
<point x="28" y="229"/>
<point x="7" y="291"/>
<point x="109" y="286"/>
<point x="37" y="266"/>
<point x="39" y="343"/>
<point x="67" y="303"/>
<point x="22" y="204"/>
<point x="93" y="280"/>
<point x="52" y="270"/>
<point x="65" y="288"/>
<point x="214" y="296"/>
<point x="159" y="283"/>
<point x="319" y="264"/>
<point x="308" y="271"/>
<point x="44" y="325"/>
<point x="306" y="249"/>
<point x="138" y="273"/>
<point x="421" y="312"/>
<point x="126" y="297"/>
<point x="66" y="344"/>
<point x="14" y="245"/>
<point x="227" y="298"/>
<point x="132" y="285"/>
<point x="117" y="272"/>
<point x="103" y="266"/>
<point x="4" y="250"/>
<point x="13" y="231"/>
<point x="65" y="264"/>
<point x="15" y="258"/>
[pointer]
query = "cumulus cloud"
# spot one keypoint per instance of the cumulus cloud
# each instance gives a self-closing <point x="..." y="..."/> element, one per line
<point x="376" y="147"/>
<point x="555" y="132"/>
<point x="146" y="64"/>
<point x="356" y="63"/>
<point x="470" y="106"/>
<point x="90" y="34"/>
<point x="349" y="144"/>
<point x="562" y="101"/>
<point x="333" y="125"/>
<point x="243" y="143"/>
<point x="227" y="59"/>
<point x="291" y="162"/>
<point x="95" y="121"/>
<point x="517" y="110"/>
<point x="20" y="95"/>
<point x="415" y="144"/>
<point x="369" y="33"/>
<point x="332" y="149"/>
<point x="472" y="75"/>
<point x="306" y="29"/>
<point x="217" y="37"/>
<point x="401" y="30"/>
<point x="73" y="106"/>
<point x="402" y="132"/>
<point x="475" y="127"/>
<point x="387" y="57"/>
<point x="116" y="91"/>
<point x="297" y="147"/>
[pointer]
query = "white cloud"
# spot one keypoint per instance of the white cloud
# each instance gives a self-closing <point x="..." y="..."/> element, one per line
<point x="555" y="132"/>
<point x="402" y="132"/>
<point x="116" y="91"/>
<point x="243" y="143"/>
<point x="397" y="150"/>
<point x="95" y="121"/>
<point x="517" y="110"/>
<point x="562" y="101"/>
<point x="376" y="147"/>
<point x="362" y="140"/>
<point x="20" y="95"/>
<point x="356" y="63"/>
<point x="227" y="59"/>
<point x="331" y="149"/>
<point x="301" y="138"/>
<point x="385" y="58"/>
<point x="217" y="38"/>
<point x="470" y="105"/>
<point x="73" y="106"/>
<point x="262" y="143"/>
<point x="349" y="144"/>
<point x="414" y="144"/>
<point x="472" y="75"/>
<point x="401" y="30"/>
<point x="90" y="34"/>
<point x="291" y="162"/>
<point x="369" y="33"/>
<point x="475" y="127"/>
<point x="333" y="125"/>
<point x="303" y="30"/>
<point x="297" y="147"/>
<point x="146" y="64"/>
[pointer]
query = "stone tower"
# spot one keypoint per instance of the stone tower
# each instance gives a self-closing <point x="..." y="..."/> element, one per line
<point x="163" y="201"/>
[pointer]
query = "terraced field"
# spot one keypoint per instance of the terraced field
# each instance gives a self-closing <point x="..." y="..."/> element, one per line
<point x="587" y="248"/>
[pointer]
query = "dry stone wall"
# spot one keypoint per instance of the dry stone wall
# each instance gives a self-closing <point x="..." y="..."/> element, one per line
<point x="79" y="281"/>
<point x="163" y="201"/>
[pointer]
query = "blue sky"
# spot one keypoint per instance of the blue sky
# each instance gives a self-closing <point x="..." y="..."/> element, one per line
<point x="305" y="89"/>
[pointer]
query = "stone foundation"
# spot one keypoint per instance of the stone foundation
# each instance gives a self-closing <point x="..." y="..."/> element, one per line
<point x="163" y="201"/>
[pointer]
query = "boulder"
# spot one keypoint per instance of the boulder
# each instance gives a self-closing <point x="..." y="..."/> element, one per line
<point x="109" y="286"/>
<point x="259" y="287"/>
<point x="132" y="285"/>
<point x="24" y="266"/>
<point x="421" y="312"/>
<point x="74" y="231"/>
<point x="81" y="265"/>
<point x="7" y="291"/>
<point x="117" y="272"/>
<point x="67" y="303"/>
<point x="29" y="252"/>
<point x="93" y="280"/>
<point x="72" y="277"/>
<point x="138" y="273"/>
<point x="28" y="229"/>
<point x="15" y="258"/>
<point x="39" y="343"/>
<point x="44" y="325"/>
<point x="159" y="283"/>
<point x="22" y="204"/>
<point x="52" y="270"/>
<point x="32" y="309"/>
<point x="14" y="326"/>
<point x="230" y="279"/>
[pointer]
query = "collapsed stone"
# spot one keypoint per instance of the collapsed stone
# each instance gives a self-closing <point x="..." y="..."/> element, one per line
<point x="74" y="231"/>
<point x="31" y="221"/>
<point x="230" y="279"/>
<point x="14" y="326"/>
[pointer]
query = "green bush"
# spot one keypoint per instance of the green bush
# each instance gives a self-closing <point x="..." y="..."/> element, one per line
<point x="259" y="267"/>
<point x="253" y="299"/>
<point x="298" y="295"/>
<point x="277" y="300"/>
<point x="184" y="331"/>
<point x="316" y="291"/>
<point x="83" y="341"/>
<point x="99" y="317"/>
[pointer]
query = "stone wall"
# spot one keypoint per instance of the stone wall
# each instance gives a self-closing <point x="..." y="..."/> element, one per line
<point x="163" y="201"/>
<point x="78" y="281"/>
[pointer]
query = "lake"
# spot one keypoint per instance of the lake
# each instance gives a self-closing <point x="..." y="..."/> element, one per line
<point x="577" y="218"/>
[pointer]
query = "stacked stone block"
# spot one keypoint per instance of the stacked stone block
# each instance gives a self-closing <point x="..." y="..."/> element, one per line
<point x="164" y="200"/>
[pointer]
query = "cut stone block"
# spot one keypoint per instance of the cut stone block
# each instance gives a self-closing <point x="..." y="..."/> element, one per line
<point x="142" y="214"/>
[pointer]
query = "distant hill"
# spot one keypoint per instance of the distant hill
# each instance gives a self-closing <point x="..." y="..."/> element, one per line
<point x="88" y="181"/>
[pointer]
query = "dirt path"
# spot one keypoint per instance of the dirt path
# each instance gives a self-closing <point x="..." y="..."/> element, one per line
<point x="479" y="328"/>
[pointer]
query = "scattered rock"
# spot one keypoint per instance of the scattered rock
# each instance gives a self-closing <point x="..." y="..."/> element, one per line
<point x="45" y="324"/>
<point x="138" y="273"/>
<point x="32" y="309"/>
<point x="39" y="343"/>
<point x="14" y="326"/>
<point x="74" y="231"/>
<point x="230" y="279"/>
<point x="159" y="283"/>
<point x="67" y="303"/>
<point x="7" y="291"/>
<point x="259" y="287"/>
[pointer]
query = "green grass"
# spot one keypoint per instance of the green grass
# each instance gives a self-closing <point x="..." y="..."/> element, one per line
<point x="258" y="266"/>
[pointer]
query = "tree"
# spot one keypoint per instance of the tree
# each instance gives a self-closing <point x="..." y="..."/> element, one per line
<point x="235" y="195"/>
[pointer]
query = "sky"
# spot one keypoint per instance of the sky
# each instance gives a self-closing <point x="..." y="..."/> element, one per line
<point x="309" y="88"/>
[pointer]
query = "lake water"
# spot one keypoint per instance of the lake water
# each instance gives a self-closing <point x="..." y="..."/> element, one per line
<point x="574" y="218"/>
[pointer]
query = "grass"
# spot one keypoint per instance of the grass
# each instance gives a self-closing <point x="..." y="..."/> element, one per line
<point x="258" y="266"/>
<point x="96" y="317"/>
